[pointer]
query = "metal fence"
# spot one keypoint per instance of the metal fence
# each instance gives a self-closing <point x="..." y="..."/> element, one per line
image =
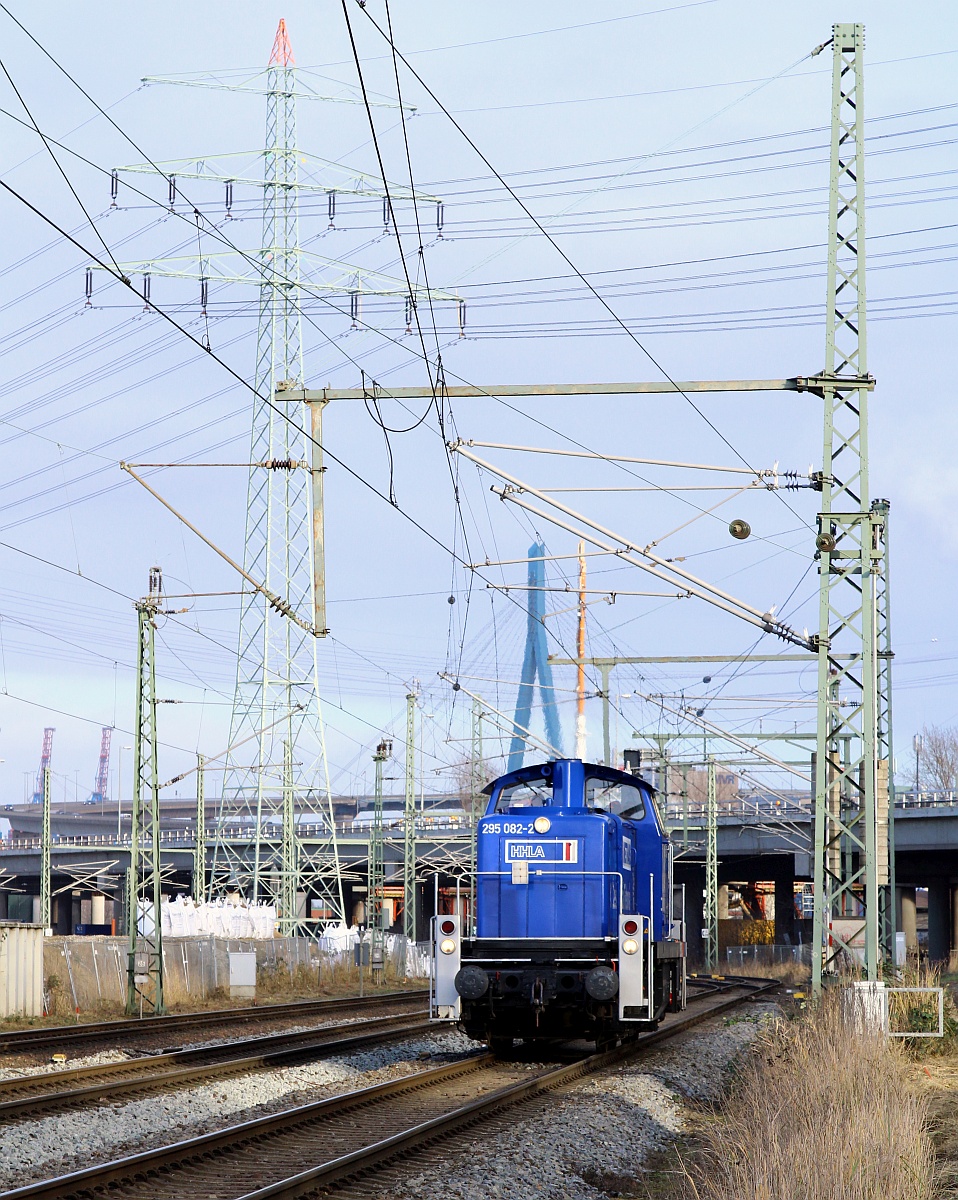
<point x="767" y="956"/>
<point x="87" y="974"/>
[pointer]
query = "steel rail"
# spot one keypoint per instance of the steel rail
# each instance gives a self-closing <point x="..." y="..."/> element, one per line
<point x="158" y="1171"/>
<point x="18" y="1040"/>
<point x="381" y="1153"/>
<point x="42" y="1094"/>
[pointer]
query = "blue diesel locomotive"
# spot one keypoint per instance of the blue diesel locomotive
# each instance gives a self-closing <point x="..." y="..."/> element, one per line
<point x="576" y="935"/>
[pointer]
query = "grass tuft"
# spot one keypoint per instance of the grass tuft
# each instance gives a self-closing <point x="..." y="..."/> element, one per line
<point x="821" y="1112"/>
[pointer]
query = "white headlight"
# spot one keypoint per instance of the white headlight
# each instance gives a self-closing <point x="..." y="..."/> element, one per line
<point x="542" y="824"/>
<point x="447" y="946"/>
<point x="629" y="946"/>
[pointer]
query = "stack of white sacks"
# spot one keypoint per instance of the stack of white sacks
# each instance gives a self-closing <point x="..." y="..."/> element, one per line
<point x="232" y="917"/>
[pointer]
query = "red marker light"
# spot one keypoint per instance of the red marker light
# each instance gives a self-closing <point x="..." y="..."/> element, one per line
<point x="630" y="927"/>
<point x="448" y="926"/>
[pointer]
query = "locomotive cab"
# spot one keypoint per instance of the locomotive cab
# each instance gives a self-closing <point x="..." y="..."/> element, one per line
<point x="574" y="935"/>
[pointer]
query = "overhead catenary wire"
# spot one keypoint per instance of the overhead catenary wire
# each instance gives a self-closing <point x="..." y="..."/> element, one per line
<point x="542" y="229"/>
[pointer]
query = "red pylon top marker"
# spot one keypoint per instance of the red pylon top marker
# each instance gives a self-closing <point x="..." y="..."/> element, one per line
<point x="282" y="55"/>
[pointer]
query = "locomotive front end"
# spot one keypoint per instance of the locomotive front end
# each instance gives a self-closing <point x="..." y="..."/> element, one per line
<point x="572" y="929"/>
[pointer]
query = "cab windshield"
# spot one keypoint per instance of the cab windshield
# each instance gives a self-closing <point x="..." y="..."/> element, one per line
<point x="620" y="799"/>
<point x="537" y="793"/>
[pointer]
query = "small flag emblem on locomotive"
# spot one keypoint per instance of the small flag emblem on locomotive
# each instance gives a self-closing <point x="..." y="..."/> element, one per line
<point x="543" y="850"/>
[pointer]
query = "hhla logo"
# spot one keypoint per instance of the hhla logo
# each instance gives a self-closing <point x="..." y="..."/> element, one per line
<point x="552" y="850"/>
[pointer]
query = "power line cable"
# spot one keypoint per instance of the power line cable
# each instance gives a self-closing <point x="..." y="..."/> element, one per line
<point x="542" y="229"/>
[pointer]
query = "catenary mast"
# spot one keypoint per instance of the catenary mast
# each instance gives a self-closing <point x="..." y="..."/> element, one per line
<point x="851" y="853"/>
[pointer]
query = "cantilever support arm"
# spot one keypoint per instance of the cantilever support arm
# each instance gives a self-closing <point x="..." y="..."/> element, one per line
<point x="798" y="383"/>
<point x="277" y="602"/>
<point x="627" y="550"/>
<point x="510" y="722"/>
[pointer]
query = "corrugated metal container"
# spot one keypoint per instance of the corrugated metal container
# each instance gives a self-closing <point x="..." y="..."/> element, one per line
<point x="21" y="970"/>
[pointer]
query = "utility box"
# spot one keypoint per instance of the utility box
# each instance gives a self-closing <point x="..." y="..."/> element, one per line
<point x="865" y="1007"/>
<point x="242" y="974"/>
<point x="21" y="970"/>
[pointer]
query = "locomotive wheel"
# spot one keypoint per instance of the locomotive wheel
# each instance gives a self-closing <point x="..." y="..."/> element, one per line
<point x="604" y="1042"/>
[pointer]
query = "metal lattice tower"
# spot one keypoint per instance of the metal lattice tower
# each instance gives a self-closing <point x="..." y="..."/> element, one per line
<point x="409" y="827"/>
<point x="144" y="928"/>
<point x="477" y="783"/>
<point x="376" y="914"/>
<point x="289" y="899"/>
<point x="45" y="843"/>
<point x="199" y="842"/>
<point x="711" y="871"/>
<point x="851" y="799"/>
<point x="276" y="703"/>
<point x="276" y="698"/>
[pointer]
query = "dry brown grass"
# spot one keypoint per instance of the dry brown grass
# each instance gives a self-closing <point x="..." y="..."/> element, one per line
<point x="794" y="975"/>
<point x="822" y="1113"/>
<point x="938" y="1080"/>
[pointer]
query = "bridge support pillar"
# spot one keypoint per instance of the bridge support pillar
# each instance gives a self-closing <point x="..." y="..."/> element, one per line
<point x="723" y="902"/>
<point x="785" y="909"/>
<point x="954" y="928"/>
<point x="939" y="922"/>
<point x="908" y="922"/>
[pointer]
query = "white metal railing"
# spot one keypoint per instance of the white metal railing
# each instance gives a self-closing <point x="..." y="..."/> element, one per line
<point x="930" y="799"/>
<point x="937" y="992"/>
<point x="675" y="813"/>
<point x="173" y="838"/>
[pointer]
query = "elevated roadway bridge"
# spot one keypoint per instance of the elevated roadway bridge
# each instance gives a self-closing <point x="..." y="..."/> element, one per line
<point x="772" y="842"/>
<point x="757" y="841"/>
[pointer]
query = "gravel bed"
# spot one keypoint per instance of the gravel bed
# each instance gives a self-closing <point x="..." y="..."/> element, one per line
<point x="90" y="1060"/>
<point x="311" y="1026"/>
<point x="159" y="1040"/>
<point x="591" y="1141"/>
<point x="70" y="1140"/>
<point x="134" y="1053"/>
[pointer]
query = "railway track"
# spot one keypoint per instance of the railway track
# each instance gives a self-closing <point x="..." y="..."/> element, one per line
<point x="308" y="1150"/>
<point x="34" y="1095"/>
<point x="20" y="1041"/>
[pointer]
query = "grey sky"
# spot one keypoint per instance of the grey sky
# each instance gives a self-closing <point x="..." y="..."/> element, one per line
<point x="711" y="248"/>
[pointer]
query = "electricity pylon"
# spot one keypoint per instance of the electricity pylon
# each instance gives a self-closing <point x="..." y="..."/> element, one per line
<point x="277" y="671"/>
<point x="289" y="898"/>
<point x="276" y="698"/>
<point x="851" y="796"/>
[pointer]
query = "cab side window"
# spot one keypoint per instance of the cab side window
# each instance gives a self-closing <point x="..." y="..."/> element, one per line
<point x="620" y="799"/>
<point x="537" y="793"/>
